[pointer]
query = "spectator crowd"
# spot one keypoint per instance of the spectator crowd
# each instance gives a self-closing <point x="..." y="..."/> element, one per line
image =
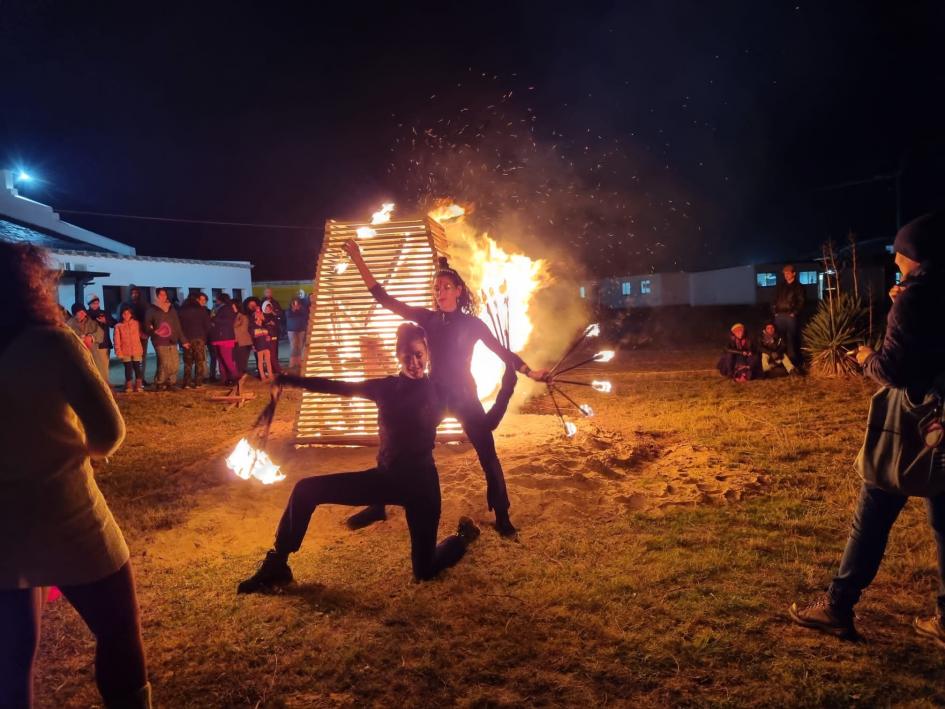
<point x="214" y="343"/>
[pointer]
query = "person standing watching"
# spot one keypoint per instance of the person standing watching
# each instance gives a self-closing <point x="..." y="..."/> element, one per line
<point x="55" y="526"/>
<point x="85" y="327"/>
<point x="296" y="323"/>
<point x="139" y="308"/>
<point x="195" y="324"/>
<point x="788" y="305"/>
<point x="911" y="359"/>
<point x="163" y="325"/>
<point x="105" y="321"/>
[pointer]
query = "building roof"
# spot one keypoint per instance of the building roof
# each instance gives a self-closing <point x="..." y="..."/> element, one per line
<point x="17" y="233"/>
<point x="136" y="257"/>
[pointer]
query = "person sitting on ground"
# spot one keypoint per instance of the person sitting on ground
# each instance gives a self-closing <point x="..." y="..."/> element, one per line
<point x="774" y="352"/>
<point x="55" y="526"/>
<point x="739" y="361"/>
<point x="128" y="348"/>
<point x="912" y="359"/>
<point x="410" y="407"/>
<point x="86" y="328"/>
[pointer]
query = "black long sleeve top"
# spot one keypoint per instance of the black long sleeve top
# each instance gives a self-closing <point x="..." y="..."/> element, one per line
<point x="452" y="337"/>
<point x="408" y="412"/>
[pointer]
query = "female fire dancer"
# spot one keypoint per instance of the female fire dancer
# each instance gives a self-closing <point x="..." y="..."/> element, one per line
<point x="410" y="407"/>
<point x="453" y="329"/>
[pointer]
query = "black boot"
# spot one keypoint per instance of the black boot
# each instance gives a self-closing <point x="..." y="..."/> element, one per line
<point x="367" y="517"/>
<point x="273" y="572"/>
<point x="467" y="530"/>
<point x="504" y="526"/>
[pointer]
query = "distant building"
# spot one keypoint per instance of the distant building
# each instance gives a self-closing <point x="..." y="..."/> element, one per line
<point x="92" y="263"/>
<point x="741" y="285"/>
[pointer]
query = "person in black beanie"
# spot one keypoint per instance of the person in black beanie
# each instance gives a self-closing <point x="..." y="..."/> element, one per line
<point x="911" y="358"/>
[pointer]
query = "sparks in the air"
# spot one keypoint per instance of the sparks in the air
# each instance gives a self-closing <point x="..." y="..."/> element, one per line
<point x="382" y="216"/>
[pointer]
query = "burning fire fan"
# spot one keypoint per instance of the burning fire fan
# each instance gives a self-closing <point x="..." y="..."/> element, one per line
<point x="251" y="461"/>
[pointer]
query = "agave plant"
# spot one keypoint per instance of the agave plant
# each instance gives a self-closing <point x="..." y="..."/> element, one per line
<point x="837" y="328"/>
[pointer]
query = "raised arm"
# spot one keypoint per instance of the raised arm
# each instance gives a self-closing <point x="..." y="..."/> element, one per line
<point x="369" y="389"/>
<point x="407" y="312"/>
<point x="501" y="405"/>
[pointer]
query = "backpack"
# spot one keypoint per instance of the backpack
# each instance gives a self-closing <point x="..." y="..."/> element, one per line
<point x="904" y="448"/>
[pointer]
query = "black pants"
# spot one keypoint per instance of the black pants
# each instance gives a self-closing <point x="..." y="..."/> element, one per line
<point x="241" y="357"/>
<point x="416" y="490"/>
<point x="109" y="608"/>
<point x="469" y="412"/>
<point x="789" y="328"/>
<point x="133" y="368"/>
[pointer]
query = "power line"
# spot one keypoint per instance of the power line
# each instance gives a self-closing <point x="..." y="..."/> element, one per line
<point x="186" y="221"/>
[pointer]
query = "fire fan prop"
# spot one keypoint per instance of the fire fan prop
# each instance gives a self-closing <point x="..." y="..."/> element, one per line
<point x="252" y="461"/>
<point x="350" y="336"/>
<point x="555" y="381"/>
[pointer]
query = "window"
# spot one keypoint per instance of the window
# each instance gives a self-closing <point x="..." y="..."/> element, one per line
<point x="625" y="288"/>
<point x="238" y="294"/>
<point x="645" y="285"/>
<point x="767" y="280"/>
<point x="807" y="278"/>
<point x="214" y="292"/>
<point x="898" y="278"/>
<point x="111" y="299"/>
<point x="583" y="292"/>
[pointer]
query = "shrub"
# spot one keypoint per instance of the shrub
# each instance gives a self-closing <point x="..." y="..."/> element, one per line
<point x="839" y="326"/>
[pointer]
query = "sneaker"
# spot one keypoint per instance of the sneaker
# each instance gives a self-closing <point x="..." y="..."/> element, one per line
<point x="367" y="517"/>
<point x="504" y="526"/>
<point x="467" y="530"/>
<point x="821" y="615"/>
<point x="933" y="628"/>
<point x="272" y="572"/>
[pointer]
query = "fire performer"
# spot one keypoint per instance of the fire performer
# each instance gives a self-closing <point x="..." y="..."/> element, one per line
<point x="454" y="330"/>
<point x="410" y="407"/>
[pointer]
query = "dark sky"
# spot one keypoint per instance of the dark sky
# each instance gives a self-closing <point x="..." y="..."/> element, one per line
<point x="648" y="135"/>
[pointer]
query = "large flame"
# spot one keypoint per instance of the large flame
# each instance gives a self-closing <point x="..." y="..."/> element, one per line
<point x="508" y="281"/>
<point x="248" y="462"/>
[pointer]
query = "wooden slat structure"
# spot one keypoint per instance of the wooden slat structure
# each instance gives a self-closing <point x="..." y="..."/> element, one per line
<point x="350" y="337"/>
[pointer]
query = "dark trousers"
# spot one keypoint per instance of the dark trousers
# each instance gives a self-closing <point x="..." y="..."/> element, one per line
<point x="212" y="371"/>
<point x="133" y="368"/>
<point x="789" y="328"/>
<point x="274" y="356"/>
<point x="876" y="511"/>
<point x="195" y="362"/>
<point x="469" y="412"/>
<point x="241" y="357"/>
<point x="109" y="608"/>
<point x="417" y="491"/>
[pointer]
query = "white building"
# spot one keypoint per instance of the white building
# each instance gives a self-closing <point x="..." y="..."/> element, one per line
<point x="94" y="264"/>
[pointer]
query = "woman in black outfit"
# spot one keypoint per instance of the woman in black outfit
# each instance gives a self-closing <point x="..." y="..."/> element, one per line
<point x="410" y="407"/>
<point x="453" y="330"/>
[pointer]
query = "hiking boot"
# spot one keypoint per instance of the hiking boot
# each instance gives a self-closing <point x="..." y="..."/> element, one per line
<point x="467" y="530"/>
<point x="821" y="615"/>
<point x="933" y="628"/>
<point x="504" y="526"/>
<point x="367" y="517"/>
<point x="273" y="572"/>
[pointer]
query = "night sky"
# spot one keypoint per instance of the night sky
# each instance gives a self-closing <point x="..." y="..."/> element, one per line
<point x="639" y="136"/>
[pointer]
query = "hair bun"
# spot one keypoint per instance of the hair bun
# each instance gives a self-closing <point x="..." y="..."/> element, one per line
<point x="443" y="262"/>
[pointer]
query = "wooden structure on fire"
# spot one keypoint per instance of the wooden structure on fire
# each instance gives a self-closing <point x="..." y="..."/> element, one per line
<point x="350" y="337"/>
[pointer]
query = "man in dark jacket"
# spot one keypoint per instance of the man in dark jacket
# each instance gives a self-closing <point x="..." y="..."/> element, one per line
<point x="163" y="325"/>
<point x="195" y="324"/>
<point x="911" y="357"/>
<point x="787" y="307"/>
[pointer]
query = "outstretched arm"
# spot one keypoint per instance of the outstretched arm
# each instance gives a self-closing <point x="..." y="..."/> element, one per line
<point x="363" y="390"/>
<point x="354" y="252"/>
<point x="506" y="355"/>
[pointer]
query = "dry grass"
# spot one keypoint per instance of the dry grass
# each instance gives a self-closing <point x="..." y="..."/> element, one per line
<point x="682" y="607"/>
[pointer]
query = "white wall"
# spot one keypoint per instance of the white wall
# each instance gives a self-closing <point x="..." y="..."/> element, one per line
<point x="725" y="286"/>
<point x="674" y="288"/>
<point x="153" y="272"/>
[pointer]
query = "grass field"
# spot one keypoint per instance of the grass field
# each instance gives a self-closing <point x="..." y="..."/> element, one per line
<point x="598" y="604"/>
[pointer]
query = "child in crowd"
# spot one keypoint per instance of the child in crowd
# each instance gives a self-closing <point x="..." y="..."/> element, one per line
<point x="128" y="348"/>
<point x="739" y="361"/>
<point x="774" y="351"/>
<point x="261" y="332"/>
